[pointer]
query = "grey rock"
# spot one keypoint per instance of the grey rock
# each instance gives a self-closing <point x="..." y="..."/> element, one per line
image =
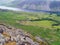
<point x="29" y="40"/>
<point x="17" y="35"/>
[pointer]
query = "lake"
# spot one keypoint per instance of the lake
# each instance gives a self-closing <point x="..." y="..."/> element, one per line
<point x="28" y="10"/>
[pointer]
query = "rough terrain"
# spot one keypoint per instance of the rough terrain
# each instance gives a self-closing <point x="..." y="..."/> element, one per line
<point x="13" y="36"/>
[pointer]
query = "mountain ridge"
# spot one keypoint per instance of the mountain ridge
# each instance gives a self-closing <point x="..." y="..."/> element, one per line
<point x="35" y="5"/>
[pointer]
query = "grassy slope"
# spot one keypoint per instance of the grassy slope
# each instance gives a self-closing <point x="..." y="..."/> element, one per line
<point x="52" y="35"/>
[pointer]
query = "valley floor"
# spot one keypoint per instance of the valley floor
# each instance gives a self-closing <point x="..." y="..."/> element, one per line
<point x="38" y="24"/>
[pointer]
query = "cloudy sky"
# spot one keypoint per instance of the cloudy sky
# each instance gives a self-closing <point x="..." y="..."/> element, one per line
<point x="8" y="1"/>
<point x="5" y="1"/>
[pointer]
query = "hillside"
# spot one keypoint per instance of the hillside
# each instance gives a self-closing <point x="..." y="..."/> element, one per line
<point x="54" y="6"/>
<point x="41" y="24"/>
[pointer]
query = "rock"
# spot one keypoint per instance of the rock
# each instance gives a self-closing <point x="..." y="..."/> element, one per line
<point x="29" y="40"/>
<point x="39" y="39"/>
<point x="7" y="39"/>
<point x="23" y="38"/>
<point x="12" y="39"/>
<point x="9" y="27"/>
<point x="27" y="35"/>
<point x="35" y="43"/>
<point x="1" y="36"/>
<point x="2" y="40"/>
<point x="19" y="32"/>
<point x="1" y="30"/>
<point x="18" y="36"/>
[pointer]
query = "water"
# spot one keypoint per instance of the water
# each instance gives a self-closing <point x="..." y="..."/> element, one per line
<point x="28" y="10"/>
<point x="46" y="11"/>
<point x="10" y="8"/>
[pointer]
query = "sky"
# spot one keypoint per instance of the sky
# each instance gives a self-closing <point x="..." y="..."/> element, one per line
<point x="5" y="1"/>
<point x="8" y="1"/>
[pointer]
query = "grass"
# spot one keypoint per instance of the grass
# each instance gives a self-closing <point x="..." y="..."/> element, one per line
<point x="36" y="28"/>
<point x="43" y="23"/>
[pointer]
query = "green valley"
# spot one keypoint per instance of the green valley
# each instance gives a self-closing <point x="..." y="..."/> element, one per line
<point x="40" y="24"/>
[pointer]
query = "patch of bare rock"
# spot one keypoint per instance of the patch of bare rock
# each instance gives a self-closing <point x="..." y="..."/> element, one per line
<point x="18" y="36"/>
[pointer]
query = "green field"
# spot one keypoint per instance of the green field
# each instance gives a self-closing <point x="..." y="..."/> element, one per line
<point x="38" y="24"/>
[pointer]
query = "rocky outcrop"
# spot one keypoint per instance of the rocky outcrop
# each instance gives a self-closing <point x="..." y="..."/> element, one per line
<point x="18" y="36"/>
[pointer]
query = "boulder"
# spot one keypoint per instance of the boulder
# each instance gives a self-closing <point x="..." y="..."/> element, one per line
<point x="2" y="40"/>
<point x="1" y="30"/>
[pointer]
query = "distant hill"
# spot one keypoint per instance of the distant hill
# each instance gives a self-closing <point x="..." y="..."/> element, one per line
<point x="35" y="5"/>
<point x="55" y="6"/>
<point x="32" y="4"/>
